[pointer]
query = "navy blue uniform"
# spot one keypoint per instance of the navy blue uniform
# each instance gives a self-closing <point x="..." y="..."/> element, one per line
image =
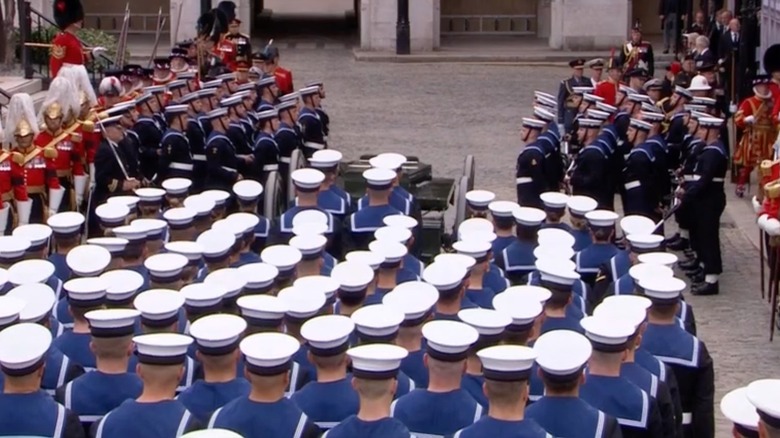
<point x="222" y="163"/>
<point x="266" y="152"/>
<point x="76" y="347"/>
<point x="517" y="260"/>
<point x="355" y="427"/>
<point x="591" y="258"/>
<point x="196" y="135"/>
<point x="655" y="388"/>
<point x="37" y="415"/>
<point x="363" y="223"/>
<point x="636" y="412"/>
<point x="481" y="297"/>
<point x="491" y="427"/>
<point x="261" y="420"/>
<point x="397" y="200"/>
<point x="288" y="140"/>
<point x="582" y="419"/>
<point x="582" y="239"/>
<point x="473" y="384"/>
<point x="640" y="189"/>
<point x="203" y="398"/>
<point x="284" y="226"/>
<point x="590" y="176"/>
<point x="150" y="133"/>
<point x="567" y="110"/>
<point x="59" y="370"/>
<point x="412" y="365"/>
<point x="175" y="159"/>
<point x="328" y="403"/>
<point x="61" y="269"/>
<point x="502" y="242"/>
<point x="95" y="394"/>
<point x="238" y="136"/>
<point x="432" y="413"/>
<point x="530" y="178"/>
<point x="132" y="419"/>
<point x="310" y="124"/>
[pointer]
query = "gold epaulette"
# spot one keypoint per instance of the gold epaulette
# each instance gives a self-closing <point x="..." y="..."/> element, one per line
<point x="50" y="153"/>
<point x="17" y="158"/>
<point x="88" y="126"/>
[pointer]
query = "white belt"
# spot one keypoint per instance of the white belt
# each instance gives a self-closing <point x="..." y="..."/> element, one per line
<point x="180" y="166"/>
<point x="718" y="179"/>
<point x="198" y="157"/>
<point x="687" y="418"/>
<point x="287" y="160"/>
<point x="632" y="185"/>
<point x="689" y="178"/>
<point x="524" y="180"/>
<point x="313" y="145"/>
<point x="270" y="167"/>
<point x="326" y="424"/>
<point x="90" y="418"/>
<point x="229" y="169"/>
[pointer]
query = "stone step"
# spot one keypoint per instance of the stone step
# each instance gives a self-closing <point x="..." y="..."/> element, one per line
<point x="16" y="84"/>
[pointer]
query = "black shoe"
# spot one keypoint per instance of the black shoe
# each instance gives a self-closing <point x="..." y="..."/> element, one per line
<point x="696" y="277"/>
<point x="691" y="254"/>
<point x="680" y="245"/>
<point x="688" y="264"/>
<point x="704" y="289"/>
<point x="672" y="240"/>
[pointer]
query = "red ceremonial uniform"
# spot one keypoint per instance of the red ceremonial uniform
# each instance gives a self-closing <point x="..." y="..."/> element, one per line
<point x="774" y="88"/>
<point x="227" y="51"/>
<point x="66" y="49"/>
<point x="284" y="80"/>
<point x="69" y="152"/>
<point x="607" y="89"/>
<point x="38" y="173"/>
<point x="11" y="177"/>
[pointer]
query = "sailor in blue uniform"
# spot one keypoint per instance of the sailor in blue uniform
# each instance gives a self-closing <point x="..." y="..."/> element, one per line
<point x="684" y="353"/>
<point x="416" y="300"/>
<point x="504" y="224"/>
<point x="310" y="123"/>
<point x="362" y="224"/>
<point x="217" y="338"/>
<point x="84" y="295"/>
<point x="327" y="161"/>
<point x="606" y="389"/>
<point x="444" y="407"/>
<point x="222" y="161"/>
<point x="399" y="198"/>
<point x="641" y="194"/>
<point x="638" y="244"/>
<point x="196" y="136"/>
<point x="155" y="413"/>
<point x="267" y="94"/>
<point x="115" y="246"/>
<point x="354" y="279"/>
<point x="25" y="410"/>
<point x="312" y="248"/>
<point x="165" y="270"/>
<point x="204" y="207"/>
<point x="374" y="369"/>
<point x="579" y="206"/>
<point x="94" y="394"/>
<point x="217" y="245"/>
<point x="411" y="261"/>
<point x="111" y="215"/>
<point x="493" y="277"/>
<point x="322" y="283"/>
<point x="135" y="252"/>
<point x="555" y="208"/>
<point x="738" y="409"/>
<point x="247" y="194"/>
<point x="559" y="313"/>
<point x="194" y="254"/>
<point x="243" y="226"/>
<point x="34" y="271"/>
<point x="181" y="224"/>
<point x="285" y="258"/>
<point x="561" y="357"/>
<point x="66" y="230"/>
<point x="266" y="412"/>
<point x="390" y="273"/>
<point x="265" y="149"/>
<point x="287" y="137"/>
<point x="531" y="180"/>
<point x="507" y="369"/>
<point x="602" y="227"/>
<point x="517" y="259"/>
<point x="477" y="202"/>
<point x="761" y="394"/>
<point x="490" y="325"/>
<point x="331" y="398"/>
<point x="449" y="279"/>
<point x="411" y="267"/>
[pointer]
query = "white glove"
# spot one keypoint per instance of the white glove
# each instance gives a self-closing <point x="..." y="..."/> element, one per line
<point x="560" y="128"/>
<point x="97" y="51"/>
<point x="756" y="205"/>
<point x="732" y="108"/>
<point x="750" y="120"/>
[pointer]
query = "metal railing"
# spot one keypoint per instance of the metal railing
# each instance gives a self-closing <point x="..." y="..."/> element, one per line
<point x="140" y="24"/>
<point x="488" y="24"/>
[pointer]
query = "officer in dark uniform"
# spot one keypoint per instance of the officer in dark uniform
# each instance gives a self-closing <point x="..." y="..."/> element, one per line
<point x="531" y="180"/>
<point x="286" y="136"/>
<point x="590" y="175"/>
<point x="362" y="224"/>
<point x="550" y="141"/>
<point x="265" y="149"/>
<point x="708" y="200"/>
<point x="684" y="353"/>
<point x="26" y="412"/>
<point x="150" y="132"/>
<point x="196" y="136"/>
<point x="175" y="157"/>
<point x="310" y="123"/>
<point x="637" y="53"/>
<point x="517" y="259"/>
<point x="567" y="103"/>
<point x="222" y="160"/>
<point x="639" y="195"/>
<point x="95" y="394"/>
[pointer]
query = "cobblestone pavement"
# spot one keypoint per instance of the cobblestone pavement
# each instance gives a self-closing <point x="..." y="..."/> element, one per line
<point x="440" y="112"/>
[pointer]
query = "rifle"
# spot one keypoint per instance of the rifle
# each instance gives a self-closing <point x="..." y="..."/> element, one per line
<point x="761" y="249"/>
<point x="160" y="24"/>
<point x="121" y="45"/>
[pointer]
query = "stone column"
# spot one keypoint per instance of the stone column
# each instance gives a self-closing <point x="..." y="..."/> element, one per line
<point x="589" y="24"/>
<point x="378" y="18"/>
<point x="191" y="12"/>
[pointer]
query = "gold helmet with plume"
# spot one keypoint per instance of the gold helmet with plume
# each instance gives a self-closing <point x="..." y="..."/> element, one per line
<point x="20" y="120"/>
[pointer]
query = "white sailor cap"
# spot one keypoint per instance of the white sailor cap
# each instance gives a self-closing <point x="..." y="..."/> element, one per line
<point x="631" y="313"/>
<point x="218" y="335"/>
<point x="38" y="301"/>
<point x="88" y="260"/>
<point x="376" y="361"/>
<point x="154" y="89"/>
<point x="477" y="236"/>
<point x="207" y="89"/>
<point x="66" y="224"/>
<point x="371" y="259"/>
<point x="554" y="200"/>
<point x="532" y="123"/>
<point x="592" y="98"/>
<point x="544" y="114"/>
<point x="582" y="90"/>
<point x="112" y="214"/>
<point x="212" y="433"/>
<point x="710" y="122"/>
<point x="231" y="101"/>
<point x="179" y="217"/>
<point x="519" y="293"/>
<point x="192" y="250"/>
<point x="456" y="259"/>
<point x="310" y="216"/>
<point x="109" y="121"/>
<point x="23" y="348"/>
<point x="549" y="102"/>
<point x="639" y="98"/>
<point x="446" y="278"/>
<point x="607" y="108"/>
<point x="130" y="233"/>
<point x="652" y="117"/>
<point x="474" y="248"/>
<point x="325" y="159"/>
<point x="262" y="310"/>
<point x="312" y="228"/>
<point x="393" y="234"/>
<point x="30" y="271"/>
<point x="162" y="348"/>
<point x="202" y="298"/>
<point x="302" y="304"/>
<point x="415" y="299"/>
<point x="248" y="190"/>
<point x="37" y="234"/>
<point x="310" y="245"/>
<point x="490" y="324"/>
<point x="627" y="301"/>
<point x="123" y="284"/>
<point x="307" y="179"/>
<point x="231" y="282"/>
<point x="150" y="195"/>
<point x="479" y="199"/>
<point x="551" y="272"/>
<point x="114" y="245"/>
<point x="738" y="409"/>
<point x="521" y="308"/>
<point x="289" y="97"/>
<point x="226" y="77"/>
<point x="589" y="123"/>
<point x="635" y="224"/>
<point x="555" y="237"/>
<point x="159" y="307"/>
<point x="224" y="226"/>
<point x="268" y="114"/>
<point x="646" y="270"/>
<point x="503" y="208"/>
<point x="388" y="160"/>
<point x="644" y="241"/>
<point x="658" y="258"/>
<point x="556" y="253"/>
<point x="352" y="276"/>
<point x="531" y="217"/>
<point x="597" y="114"/>
<point x="562" y="354"/>
<point x="538" y="94"/>
<point x="216" y="244"/>
<point x="86" y="292"/>
<point x="166" y="267"/>
<point x="648" y="107"/>
<point x="640" y="124"/>
<point x="284" y="257"/>
<point x="393" y="252"/>
<point x="259" y="277"/>
<point x="662" y="289"/>
<point x="507" y="363"/>
<point x="601" y="218"/>
<point x="203" y="205"/>
<point x="763" y="395"/>
<point x="10" y="310"/>
<point x="155" y="228"/>
<point x="448" y="341"/>
<point x="328" y="335"/>
<point x="326" y="285"/>
<point x="111" y="323"/>
<point x="473" y="225"/>
<point x="308" y="91"/>
<point x="128" y="201"/>
<point x="290" y="103"/>
<point x="218" y="196"/>
<point x="379" y="179"/>
<point x="606" y="334"/>
<point x="377" y="323"/>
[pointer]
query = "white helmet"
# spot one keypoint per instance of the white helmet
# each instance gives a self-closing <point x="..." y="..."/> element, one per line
<point x="110" y="86"/>
<point x="699" y="83"/>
